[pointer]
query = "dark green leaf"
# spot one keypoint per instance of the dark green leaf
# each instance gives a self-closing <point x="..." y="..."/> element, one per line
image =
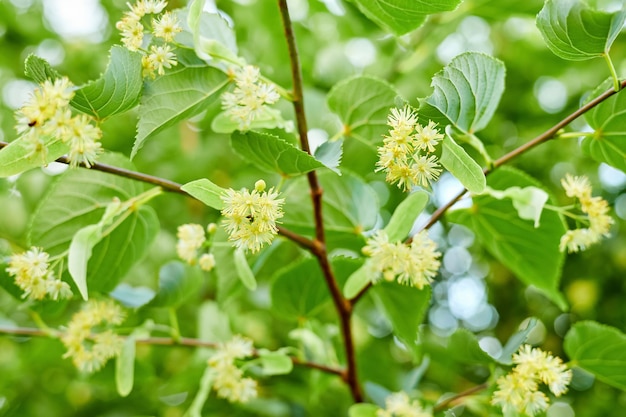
<point x="362" y="103"/>
<point x="573" y="30"/>
<point x="463" y="347"/>
<point x="299" y="290"/>
<point x="402" y="16"/>
<point x="117" y="90"/>
<point x="598" y="349"/>
<point x="395" y="301"/>
<point x="273" y="154"/>
<point x="179" y="94"/>
<point x="532" y="254"/>
<point x="467" y="91"/>
<point x="177" y="282"/>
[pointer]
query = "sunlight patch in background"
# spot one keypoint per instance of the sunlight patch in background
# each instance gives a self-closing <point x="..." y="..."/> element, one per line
<point x="77" y="19"/>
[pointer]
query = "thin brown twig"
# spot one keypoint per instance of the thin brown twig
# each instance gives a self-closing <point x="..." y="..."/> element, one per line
<point x="343" y="307"/>
<point x="446" y="403"/>
<point x="165" y="341"/>
<point x="544" y="137"/>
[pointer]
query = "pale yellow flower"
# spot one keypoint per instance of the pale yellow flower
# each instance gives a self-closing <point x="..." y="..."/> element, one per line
<point x="166" y="27"/>
<point x="32" y="274"/>
<point x="190" y="239"/>
<point x="400" y="405"/>
<point x="207" y="262"/>
<point x="228" y="380"/>
<point x="251" y="216"/>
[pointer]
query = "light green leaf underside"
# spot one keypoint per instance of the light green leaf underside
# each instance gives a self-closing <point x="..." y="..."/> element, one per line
<point x="275" y="363"/>
<point x="575" y="31"/>
<point x="39" y="70"/>
<point x="80" y="250"/>
<point x="532" y="254"/>
<point x="402" y="16"/>
<point x="516" y="340"/>
<point x="467" y="91"/>
<point x="117" y="90"/>
<point x="462" y="166"/>
<point x="363" y="410"/>
<point x="181" y="93"/>
<point x="405" y="214"/>
<point x="273" y="154"/>
<point x="177" y="282"/>
<point x="17" y="158"/>
<point x="608" y="144"/>
<point x="206" y="191"/>
<point x="395" y="300"/>
<point x="362" y="103"/>
<point x="358" y="280"/>
<point x="243" y="270"/>
<point x="350" y="205"/>
<point x="598" y="349"/>
<point x="330" y="154"/>
<point x="125" y="367"/>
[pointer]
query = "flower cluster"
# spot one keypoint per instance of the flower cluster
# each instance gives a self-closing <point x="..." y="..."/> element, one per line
<point x="32" y="274"/>
<point x="191" y="238"/>
<point x="249" y="98"/>
<point x="596" y="209"/>
<point x="407" y="152"/>
<point x="47" y="114"/>
<point x="251" y="216"/>
<point x="519" y="390"/>
<point x="164" y="27"/>
<point x="415" y="264"/>
<point x="90" y="351"/>
<point x="228" y="380"/>
<point x="400" y="405"/>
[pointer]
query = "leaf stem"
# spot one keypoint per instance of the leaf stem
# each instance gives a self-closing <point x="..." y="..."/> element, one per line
<point x="609" y="62"/>
<point x="164" y="341"/>
<point x="448" y="401"/>
<point x="343" y="307"/>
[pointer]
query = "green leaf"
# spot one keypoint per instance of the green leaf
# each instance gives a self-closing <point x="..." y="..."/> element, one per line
<point x="467" y="91"/>
<point x="177" y="282"/>
<point x="243" y="270"/>
<point x="207" y="192"/>
<point x="7" y="281"/>
<point x="77" y="199"/>
<point x="405" y="214"/>
<point x="462" y="166"/>
<point x="80" y="251"/>
<point x="117" y="90"/>
<point x="528" y="201"/>
<point x="532" y="254"/>
<point x="395" y="301"/>
<point x="125" y="367"/>
<point x="358" y="280"/>
<point x="266" y="118"/>
<point x="516" y="340"/>
<point x="17" y="157"/>
<point x="608" y="144"/>
<point x="213" y="37"/>
<point x="350" y="205"/>
<point x="575" y="31"/>
<point x="275" y="363"/>
<point x="402" y="16"/>
<point x="330" y="153"/>
<point x="39" y="70"/>
<point x="598" y="349"/>
<point x="362" y="103"/>
<point x="463" y="347"/>
<point x="363" y="410"/>
<point x="179" y="94"/>
<point x="273" y="154"/>
<point x="299" y="291"/>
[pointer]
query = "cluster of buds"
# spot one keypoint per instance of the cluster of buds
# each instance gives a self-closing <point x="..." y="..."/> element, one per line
<point x="228" y="380"/>
<point x="407" y="152"/>
<point x="47" y="115"/>
<point x="90" y="351"/>
<point x="164" y="27"/>
<point x="415" y="264"/>
<point x="596" y="210"/>
<point x="191" y="239"/>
